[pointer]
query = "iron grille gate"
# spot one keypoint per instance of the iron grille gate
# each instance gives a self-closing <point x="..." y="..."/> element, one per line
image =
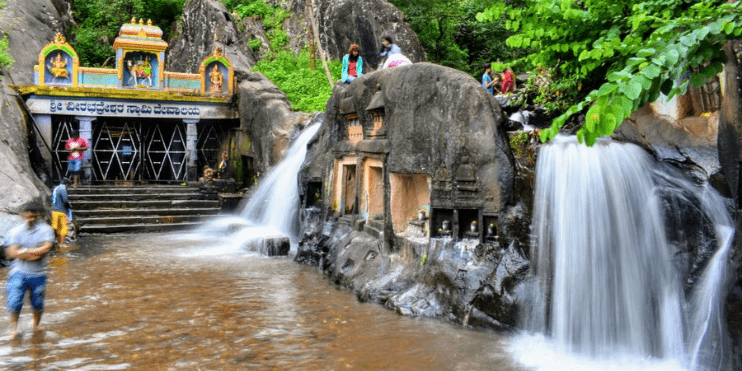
<point x="116" y="150"/>
<point x="127" y="150"/>
<point x="63" y="127"/>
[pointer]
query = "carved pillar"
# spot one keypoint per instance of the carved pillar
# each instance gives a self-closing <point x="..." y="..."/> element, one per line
<point x="86" y="131"/>
<point x="191" y="150"/>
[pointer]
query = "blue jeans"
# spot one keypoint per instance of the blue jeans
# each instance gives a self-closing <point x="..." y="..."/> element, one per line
<point x="73" y="166"/>
<point x="18" y="283"/>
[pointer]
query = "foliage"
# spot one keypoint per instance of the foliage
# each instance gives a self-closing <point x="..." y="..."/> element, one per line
<point x="520" y="144"/>
<point x="6" y="59"/>
<point x="625" y="53"/>
<point x="452" y="36"/>
<point x="307" y="90"/>
<point x="255" y="44"/>
<point x="97" y="23"/>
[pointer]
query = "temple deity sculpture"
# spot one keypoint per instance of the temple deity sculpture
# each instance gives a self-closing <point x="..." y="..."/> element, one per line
<point x="217" y="79"/>
<point x="142" y="69"/>
<point x="58" y="67"/>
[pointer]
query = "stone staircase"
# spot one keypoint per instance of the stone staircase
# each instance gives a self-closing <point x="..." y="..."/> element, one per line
<point x="150" y="208"/>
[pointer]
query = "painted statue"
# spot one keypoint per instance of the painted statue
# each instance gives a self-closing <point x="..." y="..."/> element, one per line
<point x="217" y="79"/>
<point x="139" y="70"/>
<point x="58" y="67"/>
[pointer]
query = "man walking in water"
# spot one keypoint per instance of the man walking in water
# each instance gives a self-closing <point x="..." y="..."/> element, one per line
<point x="29" y="244"/>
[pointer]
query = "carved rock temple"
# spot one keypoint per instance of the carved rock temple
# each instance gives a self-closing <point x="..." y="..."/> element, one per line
<point x="143" y="124"/>
<point x="409" y="161"/>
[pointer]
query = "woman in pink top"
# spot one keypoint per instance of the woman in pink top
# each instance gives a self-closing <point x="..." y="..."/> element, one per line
<point x="76" y="146"/>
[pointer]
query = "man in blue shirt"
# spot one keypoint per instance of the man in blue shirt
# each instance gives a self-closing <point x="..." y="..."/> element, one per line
<point x="487" y="82"/>
<point x="29" y="244"/>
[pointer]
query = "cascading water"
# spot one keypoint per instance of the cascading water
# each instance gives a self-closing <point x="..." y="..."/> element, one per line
<point x="605" y="286"/>
<point x="271" y="210"/>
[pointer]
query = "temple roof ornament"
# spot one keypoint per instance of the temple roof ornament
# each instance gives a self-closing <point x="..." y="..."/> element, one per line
<point x="139" y="36"/>
<point x="59" y="39"/>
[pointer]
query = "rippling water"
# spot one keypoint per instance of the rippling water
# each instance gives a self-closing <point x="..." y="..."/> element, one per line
<point x="148" y="302"/>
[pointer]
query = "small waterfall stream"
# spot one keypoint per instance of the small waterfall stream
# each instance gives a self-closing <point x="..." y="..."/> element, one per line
<point x="606" y="289"/>
<point x="271" y="210"/>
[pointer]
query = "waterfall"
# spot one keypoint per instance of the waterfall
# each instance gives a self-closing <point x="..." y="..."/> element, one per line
<point x="275" y="203"/>
<point x="603" y="268"/>
<point x="271" y="210"/>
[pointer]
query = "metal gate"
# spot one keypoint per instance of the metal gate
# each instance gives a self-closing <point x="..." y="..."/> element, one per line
<point x="165" y="151"/>
<point x="209" y="143"/>
<point x="62" y="127"/>
<point x="116" y="150"/>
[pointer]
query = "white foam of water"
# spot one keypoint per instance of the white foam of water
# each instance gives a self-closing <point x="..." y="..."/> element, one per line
<point x="603" y="262"/>
<point x="272" y="210"/>
<point x="540" y="353"/>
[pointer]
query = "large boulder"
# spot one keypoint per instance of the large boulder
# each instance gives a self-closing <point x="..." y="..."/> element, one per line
<point x="206" y="24"/>
<point x="434" y="118"/>
<point x="34" y="24"/>
<point x="265" y="113"/>
<point x="340" y="23"/>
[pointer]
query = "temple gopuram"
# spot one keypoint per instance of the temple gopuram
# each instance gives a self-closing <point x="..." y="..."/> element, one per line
<point x="143" y="123"/>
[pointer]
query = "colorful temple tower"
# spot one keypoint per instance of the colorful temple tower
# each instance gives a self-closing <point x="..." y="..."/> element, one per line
<point x="143" y="123"/>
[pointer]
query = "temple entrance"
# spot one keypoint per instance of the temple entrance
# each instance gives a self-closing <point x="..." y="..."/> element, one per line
<point x="349" y="188"/>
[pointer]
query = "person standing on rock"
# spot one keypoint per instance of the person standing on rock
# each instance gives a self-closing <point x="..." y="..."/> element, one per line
<point x="61" y="212"/>
<point x="352" y="65"/>
<point x="29" y="245"/>
<point x="76" y="146"/>
<point x="508" y="81"/>
<point x="388" y="48"/>
<point x="487" y="82"/>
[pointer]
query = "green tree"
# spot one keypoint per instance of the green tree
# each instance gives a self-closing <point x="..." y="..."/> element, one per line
<point x="98" y="23"/>
<point x="623" y="54"/>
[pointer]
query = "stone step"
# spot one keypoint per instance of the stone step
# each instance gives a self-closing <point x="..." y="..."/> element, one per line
<point x="374" y="228"/>
<point x="142" y="204"/>
<point x="101" y="213"/>
<point x="129" y="190"/>
<point x="136" y="228"/>
<point x="140" y="197"/>
<point x="144" y="219"/>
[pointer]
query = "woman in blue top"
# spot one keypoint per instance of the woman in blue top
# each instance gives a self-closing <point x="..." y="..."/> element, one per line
<point x="388" y="47"/>
<point x="352" y="65"/>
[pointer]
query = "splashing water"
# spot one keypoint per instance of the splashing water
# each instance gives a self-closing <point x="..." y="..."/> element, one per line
<point x="603" y="269"/>
<point x="272" y="210"/>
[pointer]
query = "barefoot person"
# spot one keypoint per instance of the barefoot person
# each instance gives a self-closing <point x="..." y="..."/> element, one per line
<point x="61" y="212"/>
<point x="76" y="146"/>
<point x="29" y="244"/>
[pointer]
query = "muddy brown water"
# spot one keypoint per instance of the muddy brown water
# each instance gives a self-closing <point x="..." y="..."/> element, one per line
<point x="140" y="302"/>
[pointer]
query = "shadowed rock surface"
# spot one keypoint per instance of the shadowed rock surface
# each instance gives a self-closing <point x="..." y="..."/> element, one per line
<point x="30" y="26"/>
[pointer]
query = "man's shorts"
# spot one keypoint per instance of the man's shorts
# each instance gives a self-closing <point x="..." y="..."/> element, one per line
<point x="59" y="223"/>
<point x="18" y="283"/>
<point x="73" y="166"/>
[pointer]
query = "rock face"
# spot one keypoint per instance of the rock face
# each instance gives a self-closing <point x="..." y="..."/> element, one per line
<point x="207" y="24"/>
<point x="339" y="23"/>
<point x="428" y="137"/>
<point x="265" y="113"/>
<point x="34" y="23"/>
<point x="729" y="147"/>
